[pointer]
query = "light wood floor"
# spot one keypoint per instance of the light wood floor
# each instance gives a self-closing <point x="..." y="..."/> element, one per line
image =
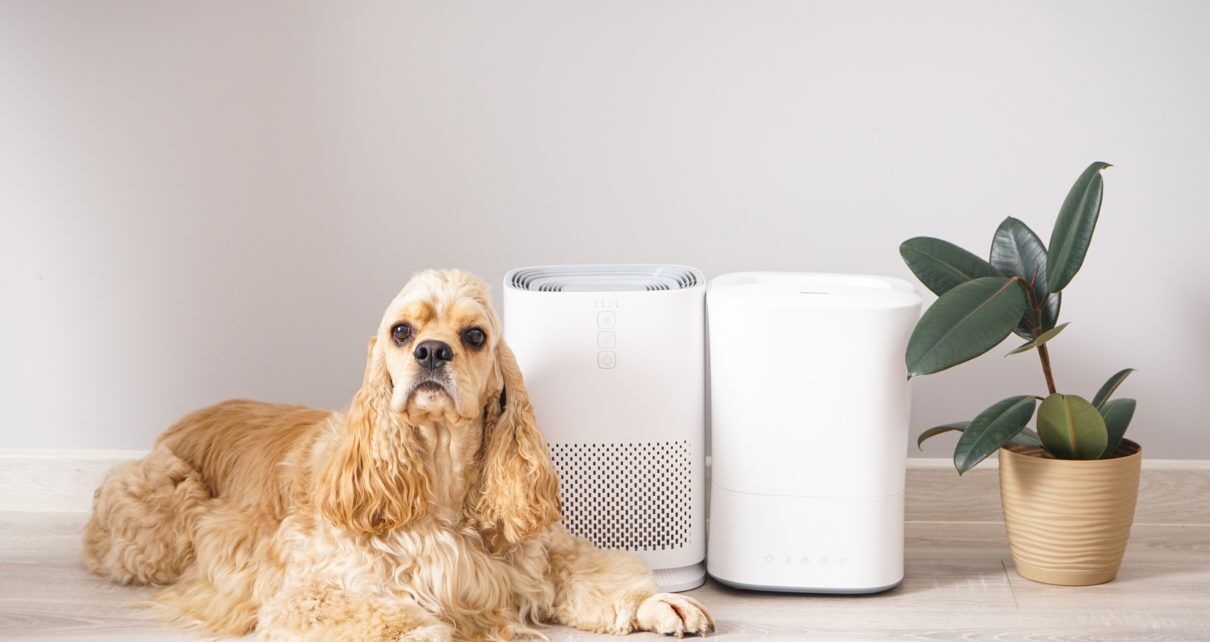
<point x="960" y="581"/>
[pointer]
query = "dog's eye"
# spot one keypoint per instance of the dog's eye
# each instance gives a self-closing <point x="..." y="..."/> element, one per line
<point x="474" y="337"/>
<point x="401" y="333"/>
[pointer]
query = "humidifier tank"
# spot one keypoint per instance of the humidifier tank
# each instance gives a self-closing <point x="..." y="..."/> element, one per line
<point x="809" y="423"/>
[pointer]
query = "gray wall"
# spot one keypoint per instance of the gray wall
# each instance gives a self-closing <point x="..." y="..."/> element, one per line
<point x="209" y="199"/>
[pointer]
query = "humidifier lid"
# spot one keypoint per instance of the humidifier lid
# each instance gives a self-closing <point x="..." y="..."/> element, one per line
<point x="812" y="290"/>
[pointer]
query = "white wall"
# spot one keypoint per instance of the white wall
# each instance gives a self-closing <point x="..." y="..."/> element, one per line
<point x="208" y="199"/>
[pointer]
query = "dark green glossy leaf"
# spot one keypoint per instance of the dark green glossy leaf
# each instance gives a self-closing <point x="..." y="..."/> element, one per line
<point x="1050" y="314"/>
<point x="1017" y="251"/>
<point x="941" y="265"/>
<point x="1050" y="310"/>
<point x="1026" y="437"/>
<point x="965" y="322"/>
<point x="1109" y="387"/>
<point x="1071" y="428"/>
<point x="1117" y="415"/>
<point x="958" y="426"/>
<point x="1073" y="230"/>
<point x="1042" y="338"/>
<point x="993" y="428"/>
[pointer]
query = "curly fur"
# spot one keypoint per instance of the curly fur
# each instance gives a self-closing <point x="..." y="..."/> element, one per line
<point x="415" y="515"/>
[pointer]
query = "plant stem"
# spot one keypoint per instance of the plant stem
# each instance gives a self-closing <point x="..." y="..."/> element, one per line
<point x="1043" y="353"/>
<point x="1044" y="356"/>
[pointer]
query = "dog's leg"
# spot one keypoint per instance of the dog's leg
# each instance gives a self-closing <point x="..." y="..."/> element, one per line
<point x="142" y="522"/>
<point x="614" y="592"/>
<point x="323" y="613"/>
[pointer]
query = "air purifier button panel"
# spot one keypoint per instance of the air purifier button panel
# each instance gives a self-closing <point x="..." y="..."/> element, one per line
<point x="607" y="340"/>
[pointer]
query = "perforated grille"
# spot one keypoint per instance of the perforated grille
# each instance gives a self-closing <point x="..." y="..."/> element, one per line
<point x="632" y="496"/>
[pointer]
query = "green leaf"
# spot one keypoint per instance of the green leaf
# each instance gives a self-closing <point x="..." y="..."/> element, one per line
<point x="1071" y="428"/>
<point x="941" y="265"/>
<point x="1050" y="314"/>
<point x="1110" y="386"/>
<point x="1072" y="235"/>
<point x="1017" y="251"/>
<point x="1050" y="310"/>
<point x="964" y="323"/>
<point x="993" y="428"/>
<point x="1117" y="415"/>
<point x="937" y="430"/>
<point x="1026" y="437"/>
<point x="1042" y="338"/>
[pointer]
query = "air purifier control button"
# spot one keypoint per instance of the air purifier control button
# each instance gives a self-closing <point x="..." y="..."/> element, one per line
<point x="606" y="320"/>
<point x="607" y="340"/>
<point x="606" y="359"/>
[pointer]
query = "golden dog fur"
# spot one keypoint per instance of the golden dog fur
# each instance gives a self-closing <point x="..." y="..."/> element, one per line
<point x="425" y="512"/>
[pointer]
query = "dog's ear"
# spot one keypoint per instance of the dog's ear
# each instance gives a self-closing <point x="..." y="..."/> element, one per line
<point x="518" y="491"/>
<point x="375" y="480"/>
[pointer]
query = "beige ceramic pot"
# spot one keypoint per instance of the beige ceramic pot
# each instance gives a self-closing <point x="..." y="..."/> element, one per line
<point x="1068" y="520"/>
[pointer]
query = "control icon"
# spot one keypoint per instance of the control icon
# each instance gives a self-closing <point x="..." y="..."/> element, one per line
<point x="607" y="340"/>
<point x="606" y="359"/>
<point x="606" y="319"/>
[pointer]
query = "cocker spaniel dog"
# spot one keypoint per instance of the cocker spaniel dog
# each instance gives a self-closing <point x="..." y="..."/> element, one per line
<point x="428" y="511"/>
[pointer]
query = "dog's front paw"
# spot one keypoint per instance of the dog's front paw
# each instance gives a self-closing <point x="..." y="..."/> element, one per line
<point x="673" y="614"/>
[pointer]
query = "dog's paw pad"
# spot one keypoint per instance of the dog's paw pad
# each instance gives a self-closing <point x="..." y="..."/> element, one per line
<point x="673" y="614"/>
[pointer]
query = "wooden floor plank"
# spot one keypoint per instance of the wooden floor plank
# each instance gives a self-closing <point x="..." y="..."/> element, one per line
<point x="960" y="582"/>
<point x="939" y="494"/>
<point x="959" y="585"/>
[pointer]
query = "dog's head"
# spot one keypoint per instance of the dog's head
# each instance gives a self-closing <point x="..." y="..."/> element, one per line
<point x="440" y="340"/>
<point x="438" y="357"/>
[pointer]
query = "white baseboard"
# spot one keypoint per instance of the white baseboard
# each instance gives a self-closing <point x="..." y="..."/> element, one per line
<point x="64" y="480"/>
<point x="55" y="480"/>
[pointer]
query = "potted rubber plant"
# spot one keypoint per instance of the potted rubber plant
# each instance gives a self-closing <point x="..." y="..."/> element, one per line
<point x="1069" y="487"/>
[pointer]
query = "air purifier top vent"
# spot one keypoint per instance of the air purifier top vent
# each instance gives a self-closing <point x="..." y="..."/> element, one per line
<point x="603" y="278"/>
<point x="812" y="290"/>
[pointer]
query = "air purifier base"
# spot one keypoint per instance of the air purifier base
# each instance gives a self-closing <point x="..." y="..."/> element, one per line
<point x="684" y="578"/>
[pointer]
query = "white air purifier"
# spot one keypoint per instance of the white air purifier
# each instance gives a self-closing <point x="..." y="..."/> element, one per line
<point x="809" y="424"/>
<point x="613" y="357"/>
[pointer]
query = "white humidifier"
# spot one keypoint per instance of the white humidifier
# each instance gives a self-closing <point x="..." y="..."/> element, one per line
<point x="809" y="424"/>
<point x="613" y="358"/>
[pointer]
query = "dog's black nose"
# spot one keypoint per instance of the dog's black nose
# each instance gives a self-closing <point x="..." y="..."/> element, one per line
<point x="433" y="354"/>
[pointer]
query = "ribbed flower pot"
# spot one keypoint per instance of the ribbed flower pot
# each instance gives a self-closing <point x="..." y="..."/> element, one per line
<point x="1069" y="520"/>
